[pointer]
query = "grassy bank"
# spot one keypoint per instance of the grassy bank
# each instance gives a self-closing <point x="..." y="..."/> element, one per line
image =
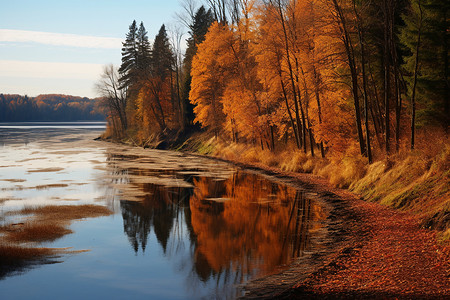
<point x="417" y="181"/>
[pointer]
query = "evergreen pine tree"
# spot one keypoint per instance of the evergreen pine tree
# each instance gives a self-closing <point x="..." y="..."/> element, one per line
<point x="162" y="56"/>
<point x="129" y="57"/>
<point x="144" y="51"/>
<point x="199" y="27"/>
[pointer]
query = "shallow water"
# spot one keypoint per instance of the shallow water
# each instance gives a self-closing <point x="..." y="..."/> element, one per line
<point x="183" y="227"/>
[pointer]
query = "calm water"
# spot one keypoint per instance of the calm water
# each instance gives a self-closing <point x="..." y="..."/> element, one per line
<point x="183" y="227"/>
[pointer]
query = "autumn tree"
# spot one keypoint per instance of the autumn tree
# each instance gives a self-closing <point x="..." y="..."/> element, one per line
<point x="287" y="34"/>
<point x="269" y="54"/>
<point x="276" y="16"/>
<point x="246" y="116"/>
<point x="155" y="103"/>
<point x="328" y="75"/>
<point x="343" y="22"/>
<point x="208" y="81"/>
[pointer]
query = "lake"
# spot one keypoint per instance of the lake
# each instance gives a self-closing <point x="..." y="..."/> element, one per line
<point x="182" y="227"/>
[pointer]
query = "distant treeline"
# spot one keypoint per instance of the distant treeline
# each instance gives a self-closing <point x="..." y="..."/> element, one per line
<point x="17" y="108"/>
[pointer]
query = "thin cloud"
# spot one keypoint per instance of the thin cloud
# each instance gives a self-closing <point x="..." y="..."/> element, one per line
<point x="59" y="39"/>
<point x="33" y="69"/>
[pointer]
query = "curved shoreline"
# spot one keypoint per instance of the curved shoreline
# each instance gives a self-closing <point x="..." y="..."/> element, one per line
<point x="334" y="238"/>
<point x="371" y="251"/>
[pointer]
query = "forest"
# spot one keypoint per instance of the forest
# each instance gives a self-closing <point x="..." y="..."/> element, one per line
<point x="354" y="90"/>
<point x="16" y="108"/>
<point x="324" y="74"/>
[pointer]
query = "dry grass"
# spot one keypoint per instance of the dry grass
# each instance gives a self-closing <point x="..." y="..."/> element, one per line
<point x="445" y="236"/>
<point x="43" y="170"/>
<point x="37" y="232"/>
<point x="53" y="185"/>
<point x="13" y="255"/>
<point x="14" y="180"/>
<point x="47" y="223"/>
<point x="340" y="171"/>
<point x="344" y="171"/>
<point x="295" y="161"/>
<point x="15" y="258"/>
<point x="66" y="212"/>
<point x="418" y="181"/>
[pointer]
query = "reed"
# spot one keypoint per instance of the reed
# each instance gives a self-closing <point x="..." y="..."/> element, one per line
<point x="14" y="258"/>
<point x="49" y="223"/>
<point x="11" y="254"/>
<point x="39" y="232"/>
<point x="65" y="212"/>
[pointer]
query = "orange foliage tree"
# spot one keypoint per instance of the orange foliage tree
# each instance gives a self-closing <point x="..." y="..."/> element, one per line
<point x="208" y="79"/>
<point x="269" y="72"/>
<point x="277" y="72"/>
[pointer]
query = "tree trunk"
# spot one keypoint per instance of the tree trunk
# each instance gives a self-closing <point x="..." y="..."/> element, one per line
<point x="387" y="85"/>
<point x="365" y="94"/>
<point x="416" y="69"/>
<point x="311" y="140"/>
<point x="319" y="111"/>
<point x="397" y="86"/>
<point x="272" y="138"/>
<point x="291" y="73"/>
<point x="354" y="76"/>
<point x="302" y="112"/>
<point x="398" y="107"/>
<point x="294" y="128"/>
<point x="447" y="81"/>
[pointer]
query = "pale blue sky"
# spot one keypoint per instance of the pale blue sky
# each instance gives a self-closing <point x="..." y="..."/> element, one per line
<point x="49" y="46"/>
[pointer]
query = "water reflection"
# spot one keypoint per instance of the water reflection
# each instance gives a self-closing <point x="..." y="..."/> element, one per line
<point x="159" y="209"/>
<point x="184" y="228"/>
<point x="237" y="227"/>
<point x="263" y="224"/>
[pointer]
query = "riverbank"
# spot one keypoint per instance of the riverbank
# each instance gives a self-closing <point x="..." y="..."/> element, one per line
<point x="379" y="252"/>
<point x="373" y="250"/>
<point x="382" y="249"/>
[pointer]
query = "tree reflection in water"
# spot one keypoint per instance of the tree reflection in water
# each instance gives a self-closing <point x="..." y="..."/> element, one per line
<point x="263" y="225"/>
<point x="159" y="210"/>
<point x="235" y="229"/>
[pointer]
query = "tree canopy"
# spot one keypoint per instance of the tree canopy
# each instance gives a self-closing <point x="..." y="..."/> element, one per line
<point x="323" y="75"/>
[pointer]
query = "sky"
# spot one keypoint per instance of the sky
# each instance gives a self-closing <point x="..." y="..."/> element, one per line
<point x="61" y="46"/>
